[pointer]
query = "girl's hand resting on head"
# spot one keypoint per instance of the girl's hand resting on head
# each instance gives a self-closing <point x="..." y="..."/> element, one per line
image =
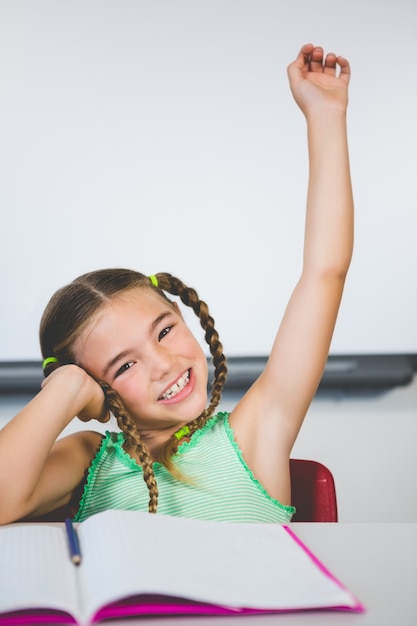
<point x="317" y="80"/>
<point x="86" y="391"/>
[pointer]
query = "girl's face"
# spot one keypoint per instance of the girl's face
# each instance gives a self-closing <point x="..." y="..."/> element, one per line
<point x="141" y="346"/>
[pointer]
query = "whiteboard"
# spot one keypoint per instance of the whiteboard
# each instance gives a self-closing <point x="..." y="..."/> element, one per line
<point x="162" y="136"/>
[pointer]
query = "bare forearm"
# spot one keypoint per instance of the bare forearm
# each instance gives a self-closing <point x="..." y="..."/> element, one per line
<point x="26" y="441"/>
<point x="32" y="432"/>
<point x="329" y="219"/>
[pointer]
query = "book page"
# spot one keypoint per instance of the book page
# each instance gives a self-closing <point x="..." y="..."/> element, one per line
<point x="257" y="566"/>
<point x="36" y="571"/>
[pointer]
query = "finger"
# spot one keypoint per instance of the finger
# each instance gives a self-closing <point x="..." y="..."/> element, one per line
<point x="344" y="68"/>
<point x="302" y="60"/>
<point x="330" y="64"/>
<point x="316" y="59"/>
<point x="305" y="52"/>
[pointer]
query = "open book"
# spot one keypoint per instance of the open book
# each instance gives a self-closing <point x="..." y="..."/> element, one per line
<point x="136" y="564"/>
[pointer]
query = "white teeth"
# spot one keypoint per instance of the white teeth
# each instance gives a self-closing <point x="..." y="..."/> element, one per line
<point x="176" y="387"/>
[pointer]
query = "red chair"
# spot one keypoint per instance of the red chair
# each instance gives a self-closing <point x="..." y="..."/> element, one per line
<point x="313" y="492"/>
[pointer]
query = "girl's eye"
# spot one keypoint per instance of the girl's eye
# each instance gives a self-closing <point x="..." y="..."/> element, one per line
<point x="124" y="368"/>
<point x="164" y="332"/>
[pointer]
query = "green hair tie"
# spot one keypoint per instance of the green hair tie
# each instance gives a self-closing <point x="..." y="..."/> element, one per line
<point x="182" y="432"/>
<point x="153" y="280"/>
<point x="49" y="359"/>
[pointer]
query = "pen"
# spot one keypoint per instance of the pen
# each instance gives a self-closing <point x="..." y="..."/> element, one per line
<point x="74" y="546"/>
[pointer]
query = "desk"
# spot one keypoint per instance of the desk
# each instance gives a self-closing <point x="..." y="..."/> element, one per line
<point x="377" y="562"/>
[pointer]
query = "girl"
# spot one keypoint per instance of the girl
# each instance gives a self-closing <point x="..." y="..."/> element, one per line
<point x="112" y="341"/>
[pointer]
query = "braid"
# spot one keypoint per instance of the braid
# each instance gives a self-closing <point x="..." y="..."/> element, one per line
<point x="128" y="427"/>
<point x="189" y="297"/>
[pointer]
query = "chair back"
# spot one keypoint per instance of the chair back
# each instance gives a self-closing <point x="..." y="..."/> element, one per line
<point x="313" y="492"/>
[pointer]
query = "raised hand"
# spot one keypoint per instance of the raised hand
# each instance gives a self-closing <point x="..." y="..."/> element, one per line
<point x="318" y="80"/>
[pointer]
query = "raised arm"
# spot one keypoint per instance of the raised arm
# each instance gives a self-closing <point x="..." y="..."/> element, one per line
<point x="268" y="418"/>
<point x="38" y="475"/>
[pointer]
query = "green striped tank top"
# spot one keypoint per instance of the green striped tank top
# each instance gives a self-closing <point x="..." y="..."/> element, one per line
<point x="220" y="485"/>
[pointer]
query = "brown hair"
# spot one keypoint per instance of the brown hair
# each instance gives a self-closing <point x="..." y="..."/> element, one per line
<point x="72" y="308"/>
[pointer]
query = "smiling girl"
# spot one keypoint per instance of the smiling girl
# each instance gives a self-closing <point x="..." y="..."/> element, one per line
<point x="114" y="342"/>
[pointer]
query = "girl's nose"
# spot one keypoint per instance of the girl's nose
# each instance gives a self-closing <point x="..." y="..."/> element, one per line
<point x="161" y="363"/>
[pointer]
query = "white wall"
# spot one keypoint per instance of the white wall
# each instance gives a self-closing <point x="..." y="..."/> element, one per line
<point x="369" y="443"/>
<point x="162" y="136"/>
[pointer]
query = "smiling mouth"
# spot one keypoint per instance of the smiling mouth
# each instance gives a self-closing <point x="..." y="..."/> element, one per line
<point x="176" y="387"/>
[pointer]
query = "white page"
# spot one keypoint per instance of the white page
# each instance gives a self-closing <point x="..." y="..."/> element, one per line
<point x="36" y="570"/>
<point x="242" y="565"/>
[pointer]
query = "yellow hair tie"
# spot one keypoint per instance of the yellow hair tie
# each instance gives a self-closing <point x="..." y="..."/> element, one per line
<point x="182" y="432"/>
<point x="49" y="359"/>
<point x="153" y="280"/>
